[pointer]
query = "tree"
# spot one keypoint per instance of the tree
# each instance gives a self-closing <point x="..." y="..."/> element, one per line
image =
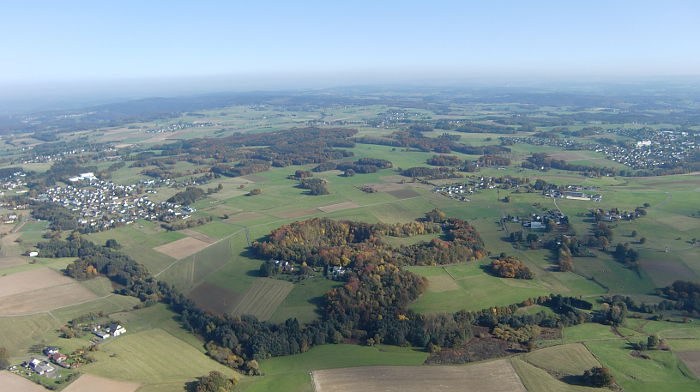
<point x="349" y="173"/>
<point x="112" y="243"/>
<point x="653" y="342"/>
<point x="435" y="215"/>
<point x="214" y="382"/>
<point x="598" y="377"/>
<point x="4" y="358"/>
<point x="642" y="240"/>
<point x="255" y="191"/>
<point x="634" y="233"/>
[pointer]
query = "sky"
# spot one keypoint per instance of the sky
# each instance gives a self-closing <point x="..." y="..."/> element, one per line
<point x="292" y="43"/>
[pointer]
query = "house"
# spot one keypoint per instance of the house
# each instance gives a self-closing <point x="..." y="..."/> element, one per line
<point x="51" y="350"/>
<point x="41" y="367"/>
<point x="58" y="358"/>
<point x="536" y="225"/>
<point x="116" y="330"/>
<point x="33" y="253"/>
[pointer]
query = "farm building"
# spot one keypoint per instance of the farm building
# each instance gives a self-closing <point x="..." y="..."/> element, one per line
<point x="41" y="367"/>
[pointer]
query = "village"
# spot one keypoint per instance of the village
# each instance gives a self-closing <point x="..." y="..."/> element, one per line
<point x="459" y="191"/>
<point x="102" y="205"/>
<point x="49" y="364"/>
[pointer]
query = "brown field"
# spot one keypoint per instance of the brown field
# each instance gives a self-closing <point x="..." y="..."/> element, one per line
<point x="12" y="382"/>
<point x="182" y="248"/>
<point x="296" y="213"/>
<point x="263" y="298"/>
<point x="35" y="279"/>
<point x="691" y="359"/>
<point x="496" y="376"/>
<point x="386" y="187"/>
<point x="244" y="216"/>
<point x="215" y="298"/>
<point x="10" y="261"/>
<point x="339" y="206"/>
<point x="90" y="383"/>
<point x="404" y="193"/>
<point x="199" y="236"/>
<point x="43" y="300"/>
<point x="665" y="272"/>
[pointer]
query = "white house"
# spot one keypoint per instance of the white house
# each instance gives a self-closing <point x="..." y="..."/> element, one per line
<point x="33" y="253"/>
<point x="116" y="330"/>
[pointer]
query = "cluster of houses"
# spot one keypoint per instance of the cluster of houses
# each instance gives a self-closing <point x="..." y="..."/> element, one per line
<point x="460" y="191"/>
<point x="102" y="205"/>
<point x="615" y="215"/>
<point x="539" y="221"/>
<point x="575" y="192"/>
<point x="59" y="156"/>
<point x="180" y="125"/>
<point x="14" y="181"/>
<point x="653" y="148"/>
<point x="336" y="272"/>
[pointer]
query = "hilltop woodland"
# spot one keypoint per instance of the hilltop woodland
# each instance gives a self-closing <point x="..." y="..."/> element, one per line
<point x="371" y="307"/>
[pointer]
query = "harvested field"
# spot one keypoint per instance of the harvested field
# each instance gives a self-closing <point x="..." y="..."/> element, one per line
<point x="663" y="272"/>
<point x="339" y="206"/>
<point x="90" y="383"/>
<point x="214" y="298"/>
<point x="10" y="261"/>
<point x="496" y="376"/>
<point x="263" y="298"/>
<point x="15" y="383"/>
<point x="244" y="216"/>
<point x="297" y="213"/>
<point x="691" y="359"/>
<point x="198" y="236"/>
<point x="406" y="193"/>
<point x="42" y="300"/>
<point x="182" y="248"/>
<point x="31" y="280"/>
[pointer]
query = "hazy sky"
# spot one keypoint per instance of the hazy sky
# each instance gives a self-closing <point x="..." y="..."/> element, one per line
<point x="66" y="41"/>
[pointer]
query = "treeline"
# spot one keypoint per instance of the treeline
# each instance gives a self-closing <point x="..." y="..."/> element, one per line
<point x="362" y="165"/>
<point x="441" y="145"/>
<point x="432" y="173"/>
<point x="59" y="217"/>
<point x="542" y="161"/>
<point x="188" y="196"/>
<point x="187" y="223"/>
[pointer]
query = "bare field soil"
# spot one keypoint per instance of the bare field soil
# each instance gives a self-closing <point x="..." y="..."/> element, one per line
<point x="35" y="279"/>
<point x="215" y="298"/>
<point x="291" y="214"/>
<point x="691" y="359"/>
<point x="663" y="272"/>
<point x="12" y="382"/>
<point x="198" y="236"/>
<point x="263" y="298"/>
<point x="11" y="261"/>
<point x="404" y="193"/>
<point x="339" y="206"/>
<point x="244" y="216"/>
<point x="42" y="300"/>
<point x="496" y="376"/>
<point x="90" y="383"/>
<point x="182" y="248"/>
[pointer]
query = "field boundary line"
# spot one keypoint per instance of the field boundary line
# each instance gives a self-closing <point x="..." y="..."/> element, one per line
<point x="60" y="307"/>
<point x="194" y="254"/>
